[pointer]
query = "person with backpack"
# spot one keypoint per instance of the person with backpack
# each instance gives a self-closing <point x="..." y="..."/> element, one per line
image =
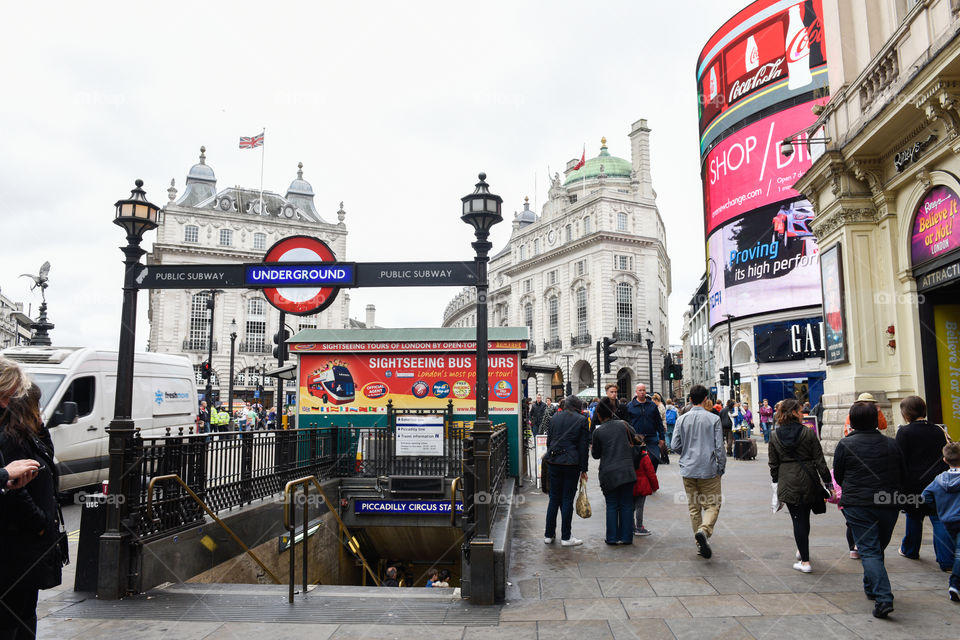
<point x="670" y="417"/>
<point x="615" y="446"/>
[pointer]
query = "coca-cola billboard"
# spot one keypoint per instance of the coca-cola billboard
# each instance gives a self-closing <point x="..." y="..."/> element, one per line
<point x="746" y="169"/>
<point x="770" y="52"/>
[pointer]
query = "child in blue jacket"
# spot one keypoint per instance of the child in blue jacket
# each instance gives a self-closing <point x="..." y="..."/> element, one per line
<point x="944" y="492"/>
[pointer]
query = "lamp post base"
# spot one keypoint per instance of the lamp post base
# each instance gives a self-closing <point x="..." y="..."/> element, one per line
<point x="113" y="566"/>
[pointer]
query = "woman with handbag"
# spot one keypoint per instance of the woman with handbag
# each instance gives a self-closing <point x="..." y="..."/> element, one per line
<point x="614" y="444"/>
<point x="567" y="454"/>
<point x="798" y="468"/>
<point x="30" y="529"/>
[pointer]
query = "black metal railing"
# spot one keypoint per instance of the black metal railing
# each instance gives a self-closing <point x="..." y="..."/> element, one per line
<point x="581" y="340"/>
<point x="198" y="345"/>
<point x="254" y="346"/>
<point x="553" y="345"/>
<point x="628" y="336"/>
<point x="498" y="460"/>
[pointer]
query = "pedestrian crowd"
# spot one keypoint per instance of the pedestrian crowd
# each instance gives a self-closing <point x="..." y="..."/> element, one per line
<point x="252" y="416"/>
<point x="874" y="477"/>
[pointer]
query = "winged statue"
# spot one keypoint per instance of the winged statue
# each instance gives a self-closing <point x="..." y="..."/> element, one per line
<point x="40" y="280"/>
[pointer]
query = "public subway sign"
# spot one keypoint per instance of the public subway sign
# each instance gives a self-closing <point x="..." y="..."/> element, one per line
<point x="789" y="340"/>
<point x="747" y="171"/>
<point x="935" y="225"/>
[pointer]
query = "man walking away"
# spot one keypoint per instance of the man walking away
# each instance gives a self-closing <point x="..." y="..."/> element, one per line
<point x="644" y="417"/>
<point x="698" y="438"/>
<point x="726" y="424"/>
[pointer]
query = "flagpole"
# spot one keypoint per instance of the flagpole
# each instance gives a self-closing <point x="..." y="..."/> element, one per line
<point x="263" y="155"/>
<point x="583" y="181"/>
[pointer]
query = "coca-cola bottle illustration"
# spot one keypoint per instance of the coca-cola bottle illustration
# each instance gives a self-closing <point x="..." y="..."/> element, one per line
<point x="712" y="90"/>
<point x="797" y="50"/>
<point x="751" y="59"/>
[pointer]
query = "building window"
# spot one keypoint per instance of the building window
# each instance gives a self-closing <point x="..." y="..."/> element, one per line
<point x="623" y="263"/>
<point x="553" y="317"/>
<point x="199" y="321"/>
<point x="552" y="277"/>
<point x="523" y="252"/>
<point x="528" y="285"/>
<point x="568" y="230"/>
<point x="621" y="221"/>
<point x="259" y="241"/>
<point x="308" y="324"/>
<point x="586" y="226"/>
<point x="256" y="335"/>
<point x="581" y="311"/>
<point x="536" y="246"/>
<point x="624" y="308"/>
<point x="226" y="237"/>
<point x="191" y="233"/>
<point x="528" y="318"/>
<point x="581" y="267"/>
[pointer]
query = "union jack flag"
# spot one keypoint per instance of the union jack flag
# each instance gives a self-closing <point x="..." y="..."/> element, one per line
<point x="251" y="143"/>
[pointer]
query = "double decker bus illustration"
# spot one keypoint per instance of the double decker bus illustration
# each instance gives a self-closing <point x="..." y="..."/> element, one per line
<point x="332" y="383"/>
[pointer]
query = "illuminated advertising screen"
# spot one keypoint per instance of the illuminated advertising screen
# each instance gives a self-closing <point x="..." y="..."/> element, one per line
<point x="766" y="260"/>
<point x="746" y="170"/>
<point x="363" y="383"/>
<point x="771" y="51"/>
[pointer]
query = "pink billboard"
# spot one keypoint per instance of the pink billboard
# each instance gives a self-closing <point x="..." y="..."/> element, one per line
<point x="935" y="226"/>
<point x="746" y="170"/>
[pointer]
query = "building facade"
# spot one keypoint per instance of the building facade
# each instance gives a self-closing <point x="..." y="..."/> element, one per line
<point x="697" y="343"/>
<point x="885" y="194"/>
<point x="592" y="264"/>
<point x="204" y="225"/>
<point x="14" y="323"/>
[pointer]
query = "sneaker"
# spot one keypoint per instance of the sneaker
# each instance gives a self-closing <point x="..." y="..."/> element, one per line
<point x="954" y="594"/>
<point x="882" y="609"/>
<point x="803" y="568"/>
<point x="798" y="556"/>
<point x="642" y="531"/>
<point x="572" y="542"/>
<point x="854" y="554"/>
<point x="703" y="547"/>
<point x="548" y="540"/>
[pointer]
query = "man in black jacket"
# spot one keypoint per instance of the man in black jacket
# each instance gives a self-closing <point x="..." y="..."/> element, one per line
<point x="567" y="449"/>
<point x="869" y="467"/>
<point x="536" y="412"/>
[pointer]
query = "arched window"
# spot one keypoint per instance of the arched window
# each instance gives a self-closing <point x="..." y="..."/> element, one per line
<point x="581" y="312"/>
<point x="528" y="318"/>
<point x="553" y="317"/>
<point x="199" y="322"/>
<point x="624" y="309"/>
<point x="621" y="221"/>
<point x="256" y="326"/>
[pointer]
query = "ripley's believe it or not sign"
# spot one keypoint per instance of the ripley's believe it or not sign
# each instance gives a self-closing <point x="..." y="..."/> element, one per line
<point x="935" y="225"/>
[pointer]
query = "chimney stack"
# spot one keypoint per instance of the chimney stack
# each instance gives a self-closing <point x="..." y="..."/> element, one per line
<point x="371" y="310"/>
<point x="640" y="157"/>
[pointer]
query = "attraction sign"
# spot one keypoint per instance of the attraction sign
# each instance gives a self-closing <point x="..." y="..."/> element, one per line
<point x="936" y="225"/>
<point x="768" y="53"/>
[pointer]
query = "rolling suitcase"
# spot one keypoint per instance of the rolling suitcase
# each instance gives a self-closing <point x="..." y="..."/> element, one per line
<point x="745" y="449"/>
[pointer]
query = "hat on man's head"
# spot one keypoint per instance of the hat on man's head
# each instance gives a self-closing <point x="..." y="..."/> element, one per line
<point x="866" y="397"/>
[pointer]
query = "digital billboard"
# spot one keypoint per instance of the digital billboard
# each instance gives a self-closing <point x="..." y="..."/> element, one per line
<point x="358" y="383"/>
<point x="746" y="169"/>
<point x="766" y="260"/>
<point x="769" y="52"/>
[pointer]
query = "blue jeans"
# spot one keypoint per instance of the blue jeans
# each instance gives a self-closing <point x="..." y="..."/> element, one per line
<point x="564" y="480"/>
<point x="669" y="435"/>
<point x="943" y="544"/>
<point x="954" y="532"/>
<point x="620" y="513"/>
<point x="765" y="427"/>
<point x="872" y="528"/>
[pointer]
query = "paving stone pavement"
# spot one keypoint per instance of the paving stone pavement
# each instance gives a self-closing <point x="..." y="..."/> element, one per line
<point x="657" y="588"/>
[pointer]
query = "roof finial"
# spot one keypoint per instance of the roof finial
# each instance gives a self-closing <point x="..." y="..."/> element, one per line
<point x="172" y="191"/>
<point x="203" y="155"/>
<point x="341" y="214"/>
<point x="526" y="198"/>
<point x="603" y="141"/>
<point x="300" y="171"/>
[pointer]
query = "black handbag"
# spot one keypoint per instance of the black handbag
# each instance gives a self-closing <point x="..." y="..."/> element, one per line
<point x="63" y="544"/>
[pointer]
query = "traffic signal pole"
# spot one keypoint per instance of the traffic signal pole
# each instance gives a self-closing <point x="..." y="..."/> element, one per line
<point x="729" y="318"/>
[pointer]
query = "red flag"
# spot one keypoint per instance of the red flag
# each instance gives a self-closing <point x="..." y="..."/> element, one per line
<point x="583" y="160"/>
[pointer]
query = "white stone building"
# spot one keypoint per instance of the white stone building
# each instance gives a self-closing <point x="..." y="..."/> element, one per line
<point x="14" y="323"/>
<point x="206" y="226"/>
<point x="592" y="264"/>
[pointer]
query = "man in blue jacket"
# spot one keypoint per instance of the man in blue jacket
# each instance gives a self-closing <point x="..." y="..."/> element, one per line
<point x="644" y="417"/>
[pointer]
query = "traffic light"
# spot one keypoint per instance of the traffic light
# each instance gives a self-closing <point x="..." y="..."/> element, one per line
<point x="282" y="351"/>
<point x="205" y="370"/>
<point x="675" y="372"/>
<point x="736" y="378"/>
<point x="724" y="376"/>
<point x="608" y="351"/>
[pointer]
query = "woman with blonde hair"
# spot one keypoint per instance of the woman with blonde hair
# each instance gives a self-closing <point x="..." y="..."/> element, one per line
<point x="13" y="384"/>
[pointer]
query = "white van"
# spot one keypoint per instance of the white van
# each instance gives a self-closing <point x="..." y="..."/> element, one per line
<point x="164" y="395"/>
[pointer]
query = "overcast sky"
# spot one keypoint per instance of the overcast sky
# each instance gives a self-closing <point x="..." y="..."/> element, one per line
<point x="393" y="108"/>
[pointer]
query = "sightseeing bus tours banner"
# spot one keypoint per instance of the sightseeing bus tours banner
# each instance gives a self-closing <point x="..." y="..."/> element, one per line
<point x="361" y="383"/>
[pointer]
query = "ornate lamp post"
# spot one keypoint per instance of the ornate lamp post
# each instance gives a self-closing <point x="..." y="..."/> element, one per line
<point x="649" y="334"/>
<point x="233" y="344"/>
<point x="481" y="210"/>
<point x="137" y="216"/>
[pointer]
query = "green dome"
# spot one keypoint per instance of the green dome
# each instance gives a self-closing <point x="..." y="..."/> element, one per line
<point x="613" y="167"/>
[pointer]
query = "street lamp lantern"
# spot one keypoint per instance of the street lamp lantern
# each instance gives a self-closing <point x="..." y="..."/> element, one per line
<point x="136" y="214"/>
<point x="481" y="210"/>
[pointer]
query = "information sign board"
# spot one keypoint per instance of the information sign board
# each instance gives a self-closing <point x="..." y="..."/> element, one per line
<point x="419" y="435"/>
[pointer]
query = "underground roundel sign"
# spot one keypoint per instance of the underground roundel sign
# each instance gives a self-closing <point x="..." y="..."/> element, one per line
<point x="300" y="300"/>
